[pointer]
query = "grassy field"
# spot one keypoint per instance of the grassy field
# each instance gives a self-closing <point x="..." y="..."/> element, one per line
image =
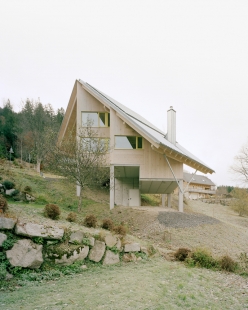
<point x="155" y="284"/>
<point x="147" y="284"/>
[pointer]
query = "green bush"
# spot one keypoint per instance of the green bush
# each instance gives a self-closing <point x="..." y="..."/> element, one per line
<point x="107" y="224"/>
<point x="181" y="254"/>
<point x="52" y="211"/>
<point x="202" y="258"/>
<point x="90" y="221"/>
<point x="8" y="184"/>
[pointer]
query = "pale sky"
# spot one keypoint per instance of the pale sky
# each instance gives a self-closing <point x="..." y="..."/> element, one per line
<point x="148" y="55"/>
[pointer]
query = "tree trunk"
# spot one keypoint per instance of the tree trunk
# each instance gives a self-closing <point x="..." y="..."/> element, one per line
<point x="80" y="199"/>
<point x="38" y="165"/>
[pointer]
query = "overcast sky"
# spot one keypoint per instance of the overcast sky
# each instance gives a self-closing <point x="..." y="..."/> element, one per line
<point x="148" y="55"/>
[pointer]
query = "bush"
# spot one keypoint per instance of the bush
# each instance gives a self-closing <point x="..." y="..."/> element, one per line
<point x="71" y="217"/>
<point x="202" y="258"/>
<point x="27" y="189"/>
<point x="3" y="204"/>
<point x="181" y="254"/>
<point x="228" y="264"/>
<point x="8" y="184"/>
<point x="120" y="230"/>
<point x="52" y="211"/>
<point x="90" y="221"/>
<point x="107" y="224"/>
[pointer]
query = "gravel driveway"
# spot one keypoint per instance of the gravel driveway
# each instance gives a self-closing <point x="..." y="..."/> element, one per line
<point x="182" y="220"/>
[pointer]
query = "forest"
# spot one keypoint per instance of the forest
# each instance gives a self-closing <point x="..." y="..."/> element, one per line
<point x="29" y="134"/>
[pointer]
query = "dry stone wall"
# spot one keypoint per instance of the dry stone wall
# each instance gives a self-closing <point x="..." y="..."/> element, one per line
<point x="37" y="243"/>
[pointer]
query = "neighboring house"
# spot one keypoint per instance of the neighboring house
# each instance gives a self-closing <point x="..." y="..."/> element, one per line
<point x="143" y="159"/>
<point x="197" y="186"/>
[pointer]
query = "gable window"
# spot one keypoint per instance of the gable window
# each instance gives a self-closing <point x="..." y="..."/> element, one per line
<point x="128" y="142"/>
<point x="96" y="119"/>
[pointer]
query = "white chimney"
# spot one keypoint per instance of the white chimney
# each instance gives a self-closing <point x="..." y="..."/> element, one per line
<point x="171" y="125"/>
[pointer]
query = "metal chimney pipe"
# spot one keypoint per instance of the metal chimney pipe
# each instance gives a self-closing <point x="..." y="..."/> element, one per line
<point x="171" y="125"/>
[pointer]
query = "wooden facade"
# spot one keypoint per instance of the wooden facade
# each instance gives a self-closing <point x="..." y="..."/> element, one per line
<point x="154" y="166"/>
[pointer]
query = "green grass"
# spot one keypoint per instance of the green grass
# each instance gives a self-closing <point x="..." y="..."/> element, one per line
<point x="155" y="284"/>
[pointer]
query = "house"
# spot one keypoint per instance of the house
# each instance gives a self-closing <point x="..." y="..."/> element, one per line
<point x="143" y="159"/>
<point x="197" y="186"/>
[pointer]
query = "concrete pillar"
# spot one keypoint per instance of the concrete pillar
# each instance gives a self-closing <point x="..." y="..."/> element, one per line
<point x="163" y="200"/>
<point x="112" y="188"/>
<point x="169" y="200"/>
<point x="180" y="196"/>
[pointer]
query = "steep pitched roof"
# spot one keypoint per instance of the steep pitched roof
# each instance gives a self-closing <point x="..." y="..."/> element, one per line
<point x="146" y="129"/>
<point x="198" y="179"/>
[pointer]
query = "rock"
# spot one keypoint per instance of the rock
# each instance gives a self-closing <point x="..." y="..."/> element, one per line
<point x="37" y="230"/>
<point x="25" y="253"/>
<point x="132" y="247"/>
<point x="144" y="250"/>
<point x="3" y="237"/>
<point x="79" y="254"/>
<point x="111" y="258"/>
<point x="8" y="276"/>
<point x="92" y="241"/>
<point x="83" y="267"/>
<point x="29" y="197"/>
<point x="97" y="252"/>
<point x="118" y="244"/>
<point x="9" y="192"/>
<point x="76" y="237"/>
<point x="7" y="223"/>
<point x="110" y="240"/>
<point x="129" y="257"/>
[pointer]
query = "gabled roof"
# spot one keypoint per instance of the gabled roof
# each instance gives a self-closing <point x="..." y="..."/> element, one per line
<point x="196" y="179"/>
<point x="155" y="136"/>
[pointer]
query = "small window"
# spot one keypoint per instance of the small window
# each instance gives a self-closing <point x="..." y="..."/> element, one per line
<point x="95" y="119"/>
<point x="128" y="142"/>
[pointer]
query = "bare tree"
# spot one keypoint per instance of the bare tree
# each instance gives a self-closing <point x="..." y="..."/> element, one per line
<point x="240" y="166"/>
<point x="240" y="203"/>
<point x="82" y="158"/>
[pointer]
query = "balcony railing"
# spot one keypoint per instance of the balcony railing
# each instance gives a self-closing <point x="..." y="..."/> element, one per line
<point x="201" y="190"/>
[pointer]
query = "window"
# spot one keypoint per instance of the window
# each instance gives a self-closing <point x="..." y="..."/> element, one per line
<point x="96" y="119"/>
<point x="128" y="142"/>
<point x="100" y="145"/>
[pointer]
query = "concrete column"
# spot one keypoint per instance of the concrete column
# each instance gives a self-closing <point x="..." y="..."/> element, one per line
<point x="180" y="196"/>
<point x="169" y="200"/>
<point x="163" y="200"/>
<point x="112" y="187"/>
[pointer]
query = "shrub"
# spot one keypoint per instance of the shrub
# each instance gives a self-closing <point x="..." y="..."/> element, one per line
<point x="27" y="189"/>
<point x="71" y="217"/>
<point x="202" y="258"/>
<point x="3" y="204"/>
<point x="227" y="263"/>
<point x="181" y="254"/>
<point x="8" y="184"/>
<point x="243" y="263"/>
<point x="90" y="221"/>
<point x="107" y="224"/>
<point x="52" y="211"/>
<point x="120" y="230"/>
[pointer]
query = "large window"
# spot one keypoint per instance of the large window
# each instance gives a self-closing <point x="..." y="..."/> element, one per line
<point x="99" y="145"/>
<point x="128" y="142"/>
<point x="96" y="119"/>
